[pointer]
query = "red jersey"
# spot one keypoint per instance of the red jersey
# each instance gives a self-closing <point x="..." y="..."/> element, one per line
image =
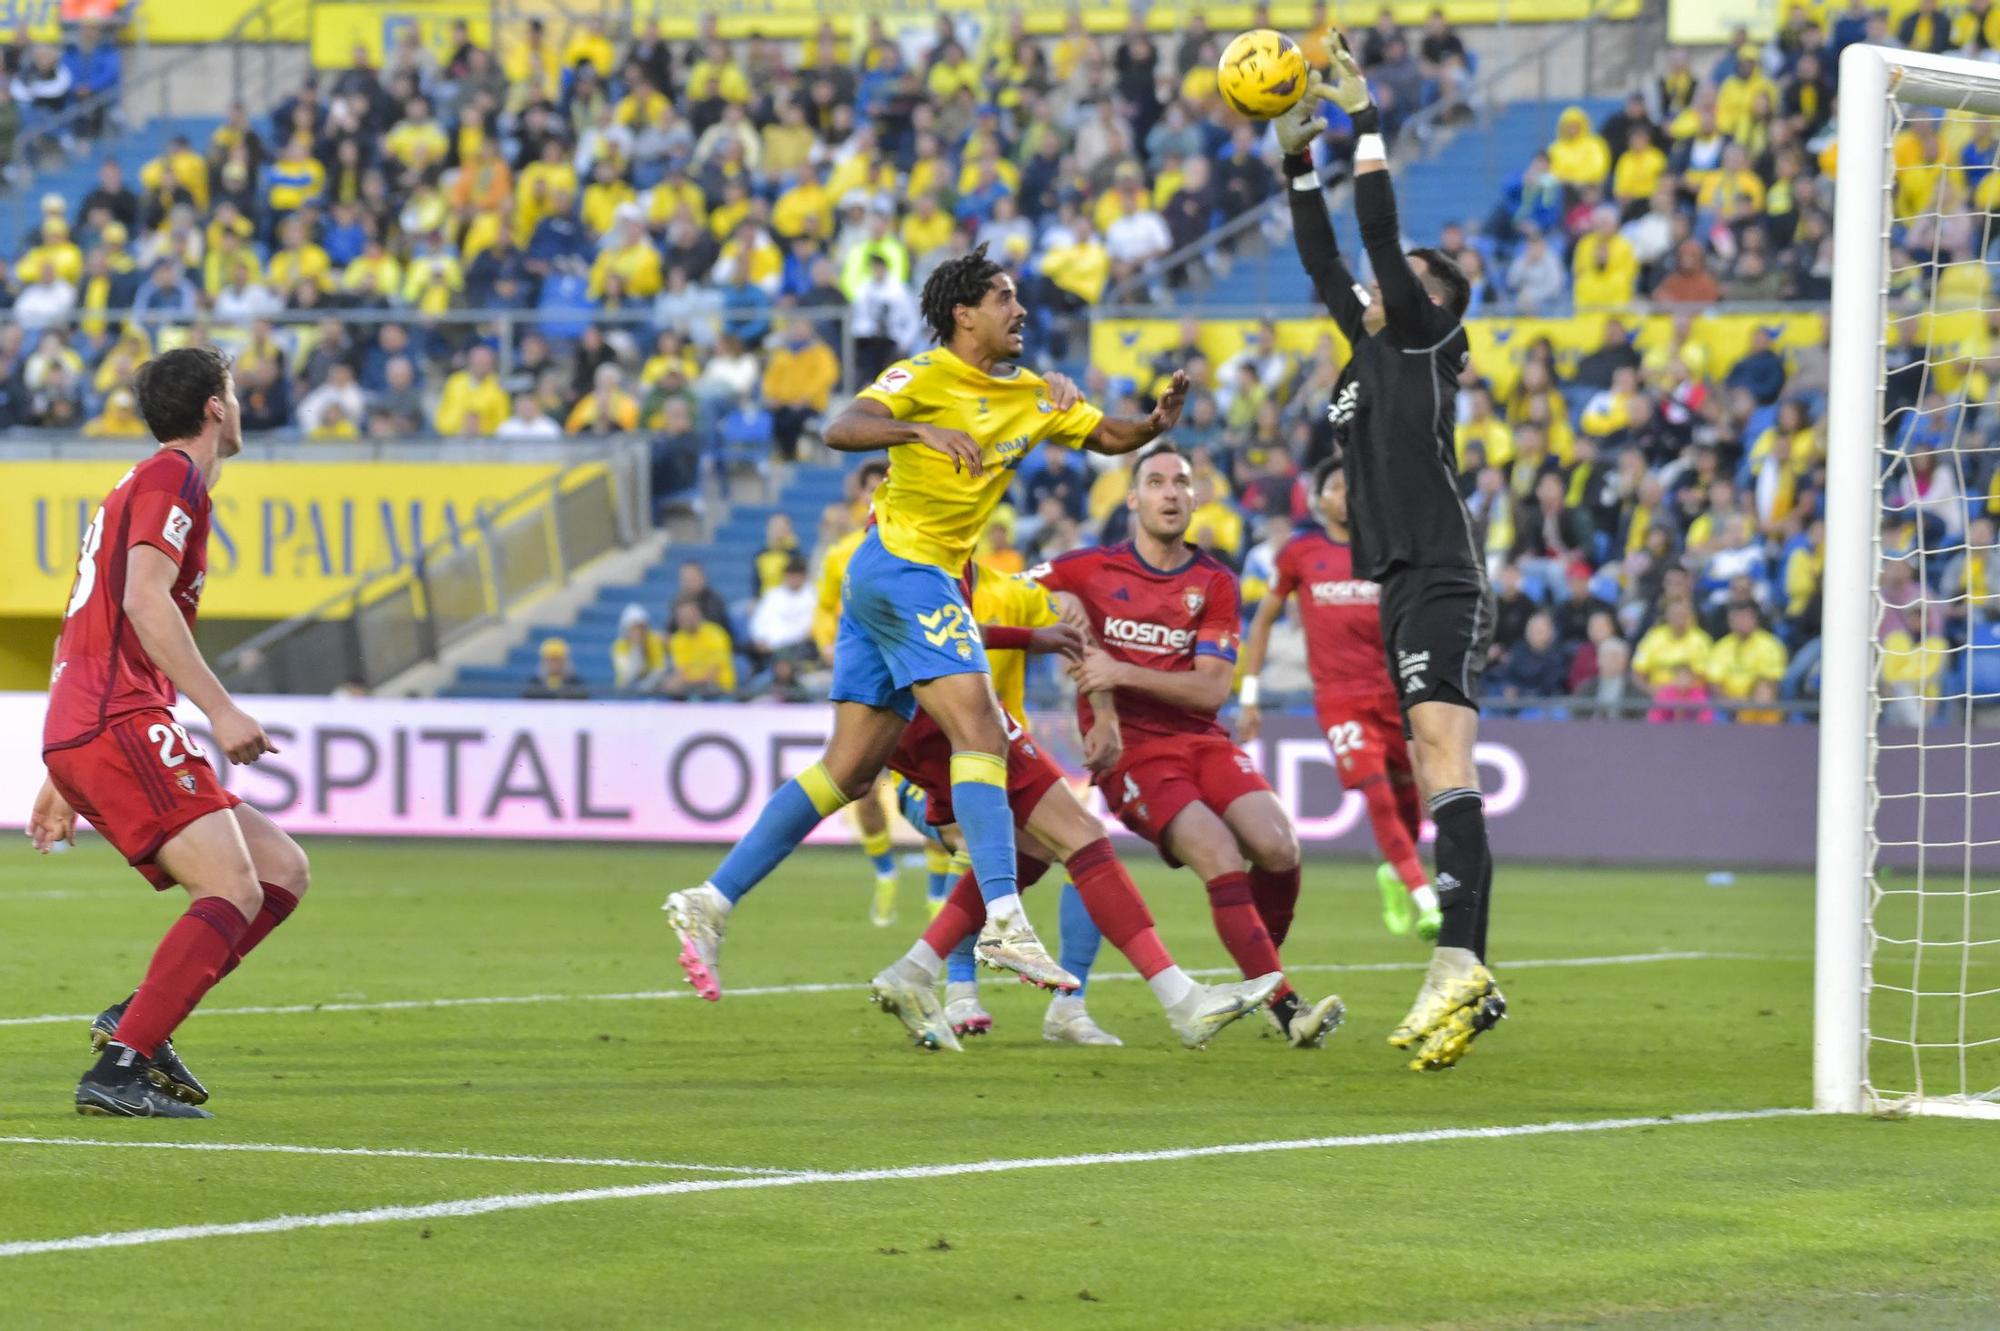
<point x="1153" y="618"/>
<point x="1341" y="614"/>
<point x="101" y="671"/>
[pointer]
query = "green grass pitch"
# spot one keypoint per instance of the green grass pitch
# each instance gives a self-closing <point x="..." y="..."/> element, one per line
<point x="1777" y="1221"/>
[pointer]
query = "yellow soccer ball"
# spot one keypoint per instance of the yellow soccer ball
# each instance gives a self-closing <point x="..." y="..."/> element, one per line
<point x="1262" y="74"/>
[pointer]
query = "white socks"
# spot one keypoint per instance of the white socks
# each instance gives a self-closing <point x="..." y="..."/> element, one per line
<point x="1005" y="912"/>
<point x="1424" y="898"/>
<point x="923" y="957"/>
<point x="721" y="902"/>
<point x="1172" y="987"/>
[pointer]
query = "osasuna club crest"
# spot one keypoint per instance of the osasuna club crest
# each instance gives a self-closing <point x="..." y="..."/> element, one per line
<point x="1192" y="598"/>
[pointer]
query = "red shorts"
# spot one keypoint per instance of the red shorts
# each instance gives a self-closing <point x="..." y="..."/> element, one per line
<point x="924" y="757"/>
<point x="139" y="783"/>
<point x="1155" y="780"/>
<point x="1366" y="732"/>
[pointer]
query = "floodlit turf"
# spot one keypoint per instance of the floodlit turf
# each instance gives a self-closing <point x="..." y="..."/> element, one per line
<point x="1762" y="1222"/>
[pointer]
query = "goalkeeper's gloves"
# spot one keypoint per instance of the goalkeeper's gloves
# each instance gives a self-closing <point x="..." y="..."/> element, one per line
<point x="1349" y="89"/>
<point x="1298" y="126"/>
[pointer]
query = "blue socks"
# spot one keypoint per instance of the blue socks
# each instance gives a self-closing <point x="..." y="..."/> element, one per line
<point x="979" y="797"/>
<point x="959" y="966"/>
<point x="799" y="806"/>
<point x="1080" y="937"/>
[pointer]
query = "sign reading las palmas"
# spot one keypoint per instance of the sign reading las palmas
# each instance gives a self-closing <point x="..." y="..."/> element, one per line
<point x="286" y="536"/>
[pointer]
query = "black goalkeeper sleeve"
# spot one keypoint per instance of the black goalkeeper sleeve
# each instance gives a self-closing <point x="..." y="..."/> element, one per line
<point x="1414" y="320"/>
<point x="1312" y="232"/>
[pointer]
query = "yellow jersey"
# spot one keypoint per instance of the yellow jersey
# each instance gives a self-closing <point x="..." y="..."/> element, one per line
<point x="833" y="572"/>
<point x="927" y="512"/>
<point x="1001" y="598"/>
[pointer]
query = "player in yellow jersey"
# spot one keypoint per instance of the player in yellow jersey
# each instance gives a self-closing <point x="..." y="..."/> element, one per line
<point x="870" y="819"/>
<point x="957" y="422"/>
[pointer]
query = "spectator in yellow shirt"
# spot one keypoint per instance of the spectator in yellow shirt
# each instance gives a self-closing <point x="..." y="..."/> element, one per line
<point x="590" y="45"/>
<point x="640" y="652"/>
<point x="1639" y="168"/>
<point x="606" y="409"/>
<point x="294" y="180"/>
<point x="58" y="256"/>
<point x="433" y="278"/>
<point x="417" y="142"/>
<point x="1746" y="656"/>
<point x="544" y="187"/>
<point x="473" y="402"/>
<point x="375" y="276"/>
<point x="298" y="260"/>
<point x="118" y="420"/>
<point x="1216" y="524"/>
<point x="180" y="165"/>
<point x="1605" y="269"/>
<point x="604" y="199"/>
<point x="483" y="185"/>
<point x="1578" y="157"/>
<point x="334" y="424"/>
<point x="715" y="79"/>
<point x="1674" y="644"/>
<point x="1738" y="92"/>
<point x="701" y="663"/>
<point x="1734" y="189"/>
<point x="798" y="377"/>
<point x="1080" y="268"/>
<point x="631" y="256"/>
<point x="1482" y="427"/>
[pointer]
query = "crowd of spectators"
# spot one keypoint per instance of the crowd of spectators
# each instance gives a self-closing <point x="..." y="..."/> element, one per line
<point x="700" y="240"/>
<point x="703" y="216"/>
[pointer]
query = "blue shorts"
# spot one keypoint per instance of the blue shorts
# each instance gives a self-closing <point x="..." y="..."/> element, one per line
<point x="901" y="623"/>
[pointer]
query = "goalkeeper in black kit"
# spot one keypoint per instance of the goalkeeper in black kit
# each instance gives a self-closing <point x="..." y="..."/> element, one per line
<point x="1394" y="415"/>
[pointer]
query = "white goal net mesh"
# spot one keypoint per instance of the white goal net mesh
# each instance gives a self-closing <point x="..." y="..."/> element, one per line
<point x="1932" y="961"/>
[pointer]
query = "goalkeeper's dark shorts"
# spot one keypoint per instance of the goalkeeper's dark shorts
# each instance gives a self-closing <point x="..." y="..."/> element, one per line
<point x="1437" y="627"/>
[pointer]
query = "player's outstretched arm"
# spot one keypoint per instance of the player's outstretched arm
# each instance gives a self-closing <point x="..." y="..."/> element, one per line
<point x="1105" y="743"/>
<point x="1250" y="718"/>
<point x="1128" y="434"/>
<point x="866" y="426"/>
<point x="149" y="605"/>
<point x="1413" y="319"/>
<point x="1312" y="228"/>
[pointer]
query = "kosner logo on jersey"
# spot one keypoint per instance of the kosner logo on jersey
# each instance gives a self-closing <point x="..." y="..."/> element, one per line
<point x="1145" y="636"/>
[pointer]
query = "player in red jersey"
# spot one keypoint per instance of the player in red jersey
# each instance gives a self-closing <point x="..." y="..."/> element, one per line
<point x="1166" y="616"/>
<point x="1353" y="695"/>
<point x="116" y="756"/>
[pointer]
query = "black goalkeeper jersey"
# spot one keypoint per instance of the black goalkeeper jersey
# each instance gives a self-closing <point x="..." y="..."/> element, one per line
<point x="1394" y="411"/>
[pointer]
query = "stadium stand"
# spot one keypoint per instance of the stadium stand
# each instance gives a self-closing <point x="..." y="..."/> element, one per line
<point x="707" y="241"/>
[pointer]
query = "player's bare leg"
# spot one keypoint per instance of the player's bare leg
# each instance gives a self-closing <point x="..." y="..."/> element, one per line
<point x="211" y="860"/>
<point x="863" y="738"/>
<point x="966" y="710"/>
<point x="284" y="874"/>
<point x="871" y="823"/>
<point x="1459" y="999"/>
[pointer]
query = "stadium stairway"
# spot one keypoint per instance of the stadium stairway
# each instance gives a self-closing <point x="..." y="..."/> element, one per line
<point x="728" y="556"/>
<point x="1461" y="183"/>
<point x="75" y="176"/>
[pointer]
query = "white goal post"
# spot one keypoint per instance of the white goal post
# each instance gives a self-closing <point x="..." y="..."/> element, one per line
<point x="1907" y="939"/>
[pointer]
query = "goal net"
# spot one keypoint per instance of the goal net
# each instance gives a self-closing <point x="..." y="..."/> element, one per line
<point x="1907" y="991"/>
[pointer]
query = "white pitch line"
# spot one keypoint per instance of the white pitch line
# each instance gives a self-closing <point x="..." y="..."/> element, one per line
<point x="525" y="1201"/>
<point x="398" y="1153"/>
<point x="764" y="991"/>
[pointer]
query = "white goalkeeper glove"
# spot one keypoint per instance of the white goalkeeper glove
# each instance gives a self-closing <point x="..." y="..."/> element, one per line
<point x="1299" y="126"/>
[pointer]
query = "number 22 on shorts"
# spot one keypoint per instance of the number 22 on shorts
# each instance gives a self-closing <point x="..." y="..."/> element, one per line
<point x="1345" y="737"/>
<point x="165" y="736"/>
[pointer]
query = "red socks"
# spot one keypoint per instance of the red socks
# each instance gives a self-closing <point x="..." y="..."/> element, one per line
<point x="199" y="947"/>
<point x="279" y="904"/>
<point x="1276" y="893"/>
<point x="1116" y="907"/>
<point x="964" y="911"/>
<point x="1242" y="929"/>
<point x="1396" y="827"/>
